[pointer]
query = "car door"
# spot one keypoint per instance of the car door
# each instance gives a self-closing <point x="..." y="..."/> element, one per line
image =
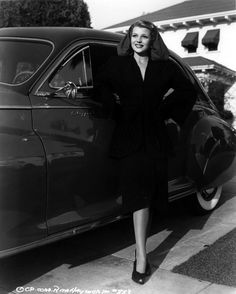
<point x="22" y="158"/>
<point x="76" y="134"/>
<point x="178" y="183"/>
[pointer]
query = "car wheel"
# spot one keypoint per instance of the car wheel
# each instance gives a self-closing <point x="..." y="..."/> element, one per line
<point x="207" y="200"/>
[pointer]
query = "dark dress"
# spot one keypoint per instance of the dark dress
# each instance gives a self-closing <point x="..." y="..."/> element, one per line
<point x="140" y="142"/>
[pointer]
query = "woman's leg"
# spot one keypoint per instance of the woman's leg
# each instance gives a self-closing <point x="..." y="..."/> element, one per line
<point x="141" y="222"/>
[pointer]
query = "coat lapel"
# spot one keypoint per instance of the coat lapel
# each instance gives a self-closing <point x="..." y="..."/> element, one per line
<point x="135" y="70"/>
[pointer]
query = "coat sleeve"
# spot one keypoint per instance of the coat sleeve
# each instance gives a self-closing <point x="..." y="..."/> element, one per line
<point x="180" y="102"/>
<point x="104" y="86"/>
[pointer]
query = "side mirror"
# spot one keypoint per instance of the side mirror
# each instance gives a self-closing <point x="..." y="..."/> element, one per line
<point x="69" y="89"/>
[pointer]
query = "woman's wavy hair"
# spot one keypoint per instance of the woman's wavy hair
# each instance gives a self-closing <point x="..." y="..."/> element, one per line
<point x="158" y="49"/>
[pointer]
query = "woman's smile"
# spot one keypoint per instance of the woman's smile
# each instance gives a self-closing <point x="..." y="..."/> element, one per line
<point x="139" y="45"/>
<point x="141" y="40"/>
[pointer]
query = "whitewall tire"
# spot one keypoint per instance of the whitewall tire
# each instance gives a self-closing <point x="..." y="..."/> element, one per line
<point x="207" y="200"/>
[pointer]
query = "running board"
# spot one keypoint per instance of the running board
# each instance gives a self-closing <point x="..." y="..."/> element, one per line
<point x="60" y="236"/>
<point x="180" y="188"/>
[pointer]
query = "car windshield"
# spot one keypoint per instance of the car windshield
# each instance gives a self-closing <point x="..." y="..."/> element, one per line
<point x="19" y="59"/>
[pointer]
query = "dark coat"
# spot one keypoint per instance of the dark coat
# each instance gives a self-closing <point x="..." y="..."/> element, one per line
<point x="142" y="110"/>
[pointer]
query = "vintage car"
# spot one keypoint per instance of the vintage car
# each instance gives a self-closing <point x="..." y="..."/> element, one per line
<point x="57" y="179"/>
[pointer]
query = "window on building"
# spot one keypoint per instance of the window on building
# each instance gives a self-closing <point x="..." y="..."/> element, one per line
<point x="190" y="42"/>
<point x="211" y="39"/>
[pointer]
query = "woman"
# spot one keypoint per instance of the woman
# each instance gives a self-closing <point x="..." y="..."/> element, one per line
<point x="140" y="75"/>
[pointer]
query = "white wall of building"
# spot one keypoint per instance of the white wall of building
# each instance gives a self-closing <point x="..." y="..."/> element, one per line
<point x="226" y="53"/>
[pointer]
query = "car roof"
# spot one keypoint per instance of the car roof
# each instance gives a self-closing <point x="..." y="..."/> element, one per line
<point x="59" y="35"/>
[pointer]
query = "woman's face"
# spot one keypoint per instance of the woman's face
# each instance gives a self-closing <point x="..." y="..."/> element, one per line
<point x="141" y="40"/>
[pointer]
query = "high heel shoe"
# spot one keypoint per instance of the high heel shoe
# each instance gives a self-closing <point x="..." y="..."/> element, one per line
<point x="138" y="277"/>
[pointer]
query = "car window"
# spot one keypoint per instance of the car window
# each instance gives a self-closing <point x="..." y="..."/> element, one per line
<point x="19" y="59"/>
<point x="202" y="98"/>
<point x="76" y="69"/>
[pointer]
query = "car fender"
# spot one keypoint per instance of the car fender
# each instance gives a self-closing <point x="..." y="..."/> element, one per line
<point x="211" y="152"/>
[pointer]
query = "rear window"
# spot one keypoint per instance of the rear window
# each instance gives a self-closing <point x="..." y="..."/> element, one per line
<point x="19" y="59"/>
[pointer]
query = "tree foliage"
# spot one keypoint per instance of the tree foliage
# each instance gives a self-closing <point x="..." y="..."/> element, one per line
<point x="216" y="91"/>
<point x="15" y="13"/>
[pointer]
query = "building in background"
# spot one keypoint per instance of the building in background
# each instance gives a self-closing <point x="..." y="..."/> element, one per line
<point x="204" y="33"/>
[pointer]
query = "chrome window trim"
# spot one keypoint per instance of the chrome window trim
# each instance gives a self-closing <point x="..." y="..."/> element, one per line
<point x="85" y="43"/>
<point x="28" y="39"/>
<point x="84" y="65"/>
